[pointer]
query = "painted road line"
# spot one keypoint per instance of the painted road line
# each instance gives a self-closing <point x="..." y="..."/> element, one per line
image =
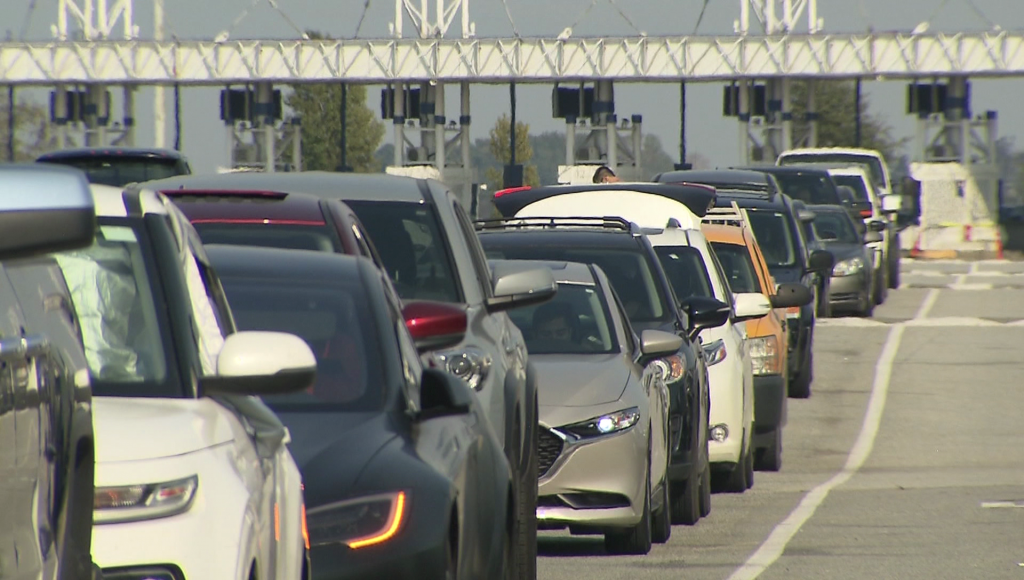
<point x="1002" y="504"/>
<point x="774" y="546"/>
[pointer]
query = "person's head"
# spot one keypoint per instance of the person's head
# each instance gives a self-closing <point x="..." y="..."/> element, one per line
<point x="604" y="174"/>
<point x="555" y="321"/>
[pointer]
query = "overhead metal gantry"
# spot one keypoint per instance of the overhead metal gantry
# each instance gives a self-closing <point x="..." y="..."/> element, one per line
<point x="482" y="60"/>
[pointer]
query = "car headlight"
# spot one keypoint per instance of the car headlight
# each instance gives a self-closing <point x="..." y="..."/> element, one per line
<point x="765" y="358"/>
<point x="358" y="522"/>
<point x="469" y="364"/>
<point x="605" y="424"/>
<point x="714" y="352"/>
<point x="848" y="267"/>
<point x="132" y="503"/>
<point x="672" y="368"/>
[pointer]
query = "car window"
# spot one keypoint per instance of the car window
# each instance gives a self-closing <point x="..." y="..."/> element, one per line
<point x="739" y="269"/>
<point x="856" y="183"/>
<point x="123" y="332"/>
<point x="576" y="321"/>
<point x="834" y="227"/>
<point x="337" y="324"/>
<point x="809" y="188"/>
<point x="479" y="260"/>
<point x="283" y="236"/>
<point x="686" y="271"/>
<point x="120" y="171"/>
<point x="629" y="272"/>
<point x="727" y="290"/>
<point x="872" y="164"/>
<point x="771" y="228"/>
<point x="411" y="244"/>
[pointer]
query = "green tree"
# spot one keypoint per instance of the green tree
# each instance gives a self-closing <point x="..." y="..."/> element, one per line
<point x="835" y="102"/>
<point x="319" y="105"/>
<point x="32" y="135"/>
<point x="501" y="151"/>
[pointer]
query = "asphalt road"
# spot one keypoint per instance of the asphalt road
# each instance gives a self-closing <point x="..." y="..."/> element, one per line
<point x="906" y="462"/>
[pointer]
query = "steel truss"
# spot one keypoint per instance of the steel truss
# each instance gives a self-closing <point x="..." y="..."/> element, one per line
<point x="526" y="59"/>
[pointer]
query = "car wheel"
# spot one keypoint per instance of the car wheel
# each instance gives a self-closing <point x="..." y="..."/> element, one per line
<point x="705" y="493"/>
<point x="894" y="262"/>
<point x="686" y="499"/>
<point x="800" y="386"/>
<point x="748" y="466"/>
<point x="736" y="480"/>
<point x="636" y="540"/>
<point x="770" y="458"/>
<point x="661" y="526"/>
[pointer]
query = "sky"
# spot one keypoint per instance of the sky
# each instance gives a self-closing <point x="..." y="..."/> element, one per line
<point x="708" y="133"/>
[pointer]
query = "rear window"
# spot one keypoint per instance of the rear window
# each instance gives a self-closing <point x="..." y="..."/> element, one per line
<point x="738" y="266"/>
<point x="854" y="182"/>
<point x="686" y="271"/>
<point x="869" y="163"/>
<point x="834" y="226"/>
<point x="412" y="247"/>
<point x="810" y="189"/>
<point x="771" y="228"/>
<point x="316" y="238"/>
<point x="632" y="277"/>
<point x="120" y="171"/>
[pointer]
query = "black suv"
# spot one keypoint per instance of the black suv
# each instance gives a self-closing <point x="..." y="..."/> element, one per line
<point x="776" y="225"/>
<point x="813" y="186"/>
<point x="625" y="254"/>
<point x="119" y="166"/>
<point x="48" y="459"/>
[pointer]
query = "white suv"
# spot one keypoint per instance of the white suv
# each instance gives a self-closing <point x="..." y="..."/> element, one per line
<point x="193" y="476"/>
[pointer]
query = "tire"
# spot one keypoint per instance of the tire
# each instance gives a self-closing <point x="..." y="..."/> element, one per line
<point x="452" y="561"/>
<point x="705" y="493"/>
<point x="770" y="458"/>
<point x="661" y="520"/>
<point x="748" y="467"/>
<point x="636" y="540"/>
<point x="800" y="386"/>
<point x="686" y="500"/>
<point x="736" y="480"/>
<point x="881" y="285"/>
<point x="869" y="307"/>
<point x="894" y="262"/>
<point x="525" y="526"/>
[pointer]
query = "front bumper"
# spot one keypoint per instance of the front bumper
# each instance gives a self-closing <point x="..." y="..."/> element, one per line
<point x="726" y="382"/>
<point x="850" y="292"/>
<point x="409" y="559"/>
<point x="597" y="483"/>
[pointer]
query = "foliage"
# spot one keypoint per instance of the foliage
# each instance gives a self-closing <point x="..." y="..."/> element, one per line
<point x="31" y="130"/>
<point x="319" y="105"/>
<point x="500" y="149"/>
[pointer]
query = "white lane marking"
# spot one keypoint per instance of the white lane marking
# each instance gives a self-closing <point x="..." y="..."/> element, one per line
<point x="773" y="547"/>
<point x="1001" y="504"/>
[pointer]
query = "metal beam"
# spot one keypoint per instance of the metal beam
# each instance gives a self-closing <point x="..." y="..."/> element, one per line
<point x="896" y="55"/>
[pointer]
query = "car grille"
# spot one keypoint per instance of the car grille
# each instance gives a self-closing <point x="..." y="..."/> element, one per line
<point x="549" y="447"/>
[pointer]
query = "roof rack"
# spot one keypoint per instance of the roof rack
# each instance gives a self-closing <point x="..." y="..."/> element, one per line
<point x="733" y="215"/>
<point x="607" y="222"/>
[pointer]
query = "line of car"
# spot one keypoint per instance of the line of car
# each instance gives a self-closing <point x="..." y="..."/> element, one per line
<point x="344" y="376"/>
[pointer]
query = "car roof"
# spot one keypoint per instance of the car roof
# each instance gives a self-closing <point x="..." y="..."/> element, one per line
<point x="832" y="150"/>
<point x="324" y="184"/>
<point x="266" y="262"/>
<point x="751" y="200"/>
<point x="229" y="204"/>
<point x="580" y="236"/>
<point x="563" y="272"/>
<point x="718" y="178"/>
<point x="151" y="152"/>
<point x="850" y="170"/>
<point x="724" y="234"/>
<point x="829" y="209"/>
<point x="110" y="201"/>
<point x="795" y="169"/>
<point x="696" y="197"/>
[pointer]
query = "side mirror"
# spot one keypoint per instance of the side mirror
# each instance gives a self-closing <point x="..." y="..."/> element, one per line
<point x="45" y="209"/>
<point x="434" y="325"/>
<point x="751" y="305"/>
<point x="872" y="237"/>
<point x="877" y="226"/>
<point x="443" y="394"/>
<point x="657" y="343"/>
<point x="261" y="363"/>
<point x="515" y="287"/>
<point x="864" y="208"/>
<point x="820" y="261"/>
<point x="805" y="215"/>
<point x="791" y="294"/>
<point x="892" y="203"/>
<point x="704" y="313"/>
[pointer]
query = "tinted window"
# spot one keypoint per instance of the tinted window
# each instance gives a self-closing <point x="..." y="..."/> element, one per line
<point x="286" y="237"/>
<point x="835" y="227"/>
<point x="575" y="321"/>
<point x="124" y="334"/>
<point x="337" y="324"/>
<point x="120" y="171"/>
<point x="409" y="240"/>
<point x="629" y="272"/>
<point x="685" y="269"/>
<point x="855" y="183"/>
<point x="739" y="268"/>
<point x="871" y="164"/>
<point x="810" y="189"/>
<point x="771" y="228"/>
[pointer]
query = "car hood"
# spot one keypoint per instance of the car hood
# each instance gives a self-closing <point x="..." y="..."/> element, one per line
<point x="333" y="449"/>
<point x="137" y="428"/>
<point x="844" y="251"/>
<point x="579" y="380"/>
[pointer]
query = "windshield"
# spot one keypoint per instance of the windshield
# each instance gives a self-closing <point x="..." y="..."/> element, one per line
<point x="810" y="189"/>
<point x="685" y="269"/>
<point x="409" y="241"/>
<point x="738" y="267"/>
<point x="576" y="321"/>
<point x="771" y="228"/>
<point x="856" y="183"/>
<point x="834" y="227"/>
<point x="337" y="324"/>
<point x="124" y="335"/>
<point x="287" y="237"/>
<point x="630" y="273"/>
<point x="120" y="171"/>
<point x="871" y="164"/>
